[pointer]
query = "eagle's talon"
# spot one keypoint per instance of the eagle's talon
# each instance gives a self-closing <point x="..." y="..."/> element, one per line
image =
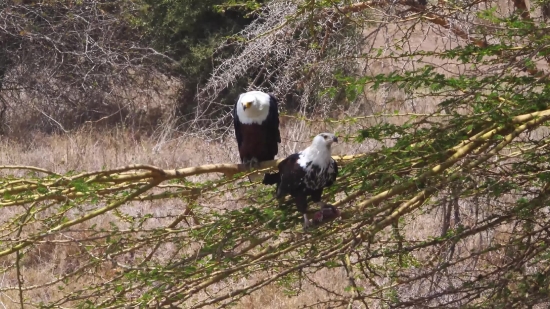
<point x="322" y="204"/>
<point x="307" y="224"/>
<point x="327" y="213"/>
<point x="253" y="164"/>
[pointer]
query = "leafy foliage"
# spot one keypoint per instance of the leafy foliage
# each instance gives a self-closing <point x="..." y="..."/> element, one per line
<point x="190" y="32"/>
<point x="65" y="64"/>
<point x="449" y="209"/>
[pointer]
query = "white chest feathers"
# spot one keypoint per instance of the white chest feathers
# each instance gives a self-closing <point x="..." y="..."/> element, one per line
<point x="317" y="167"/>
<point x="253" y="107"/>
<point x="314" y="156"/>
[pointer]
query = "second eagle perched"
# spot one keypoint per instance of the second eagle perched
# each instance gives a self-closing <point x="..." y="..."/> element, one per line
<point x="308" y="172"/>
<point x="256" y="120"/>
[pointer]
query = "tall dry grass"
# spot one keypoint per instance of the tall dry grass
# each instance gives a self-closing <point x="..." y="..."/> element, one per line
<point x="89" y="150"/>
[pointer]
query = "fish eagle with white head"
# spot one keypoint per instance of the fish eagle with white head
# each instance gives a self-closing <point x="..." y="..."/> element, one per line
<point x="307" y="173"/>
<point x="256" y="121"/>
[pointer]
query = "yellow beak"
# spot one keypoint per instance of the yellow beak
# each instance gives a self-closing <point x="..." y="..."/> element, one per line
<point x="247" y="105"/>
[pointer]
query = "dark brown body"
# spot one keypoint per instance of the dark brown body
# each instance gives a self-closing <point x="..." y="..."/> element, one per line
<point x="257" y="143"/>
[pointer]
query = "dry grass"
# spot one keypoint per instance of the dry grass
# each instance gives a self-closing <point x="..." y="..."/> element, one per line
<point x="88" y="150"/>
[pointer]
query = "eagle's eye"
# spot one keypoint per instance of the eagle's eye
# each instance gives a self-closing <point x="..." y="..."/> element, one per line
<point x="324" y="136"/>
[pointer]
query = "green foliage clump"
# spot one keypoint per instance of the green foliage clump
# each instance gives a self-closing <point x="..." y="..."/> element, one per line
<point x="190" y="31"/>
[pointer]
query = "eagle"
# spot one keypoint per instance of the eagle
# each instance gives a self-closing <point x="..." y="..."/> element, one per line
<point x="307" y="173"/>
<point x="256" y="121"/>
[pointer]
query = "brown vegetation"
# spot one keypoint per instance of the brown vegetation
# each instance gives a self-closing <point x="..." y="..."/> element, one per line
<point x="455" y="215"/>
<point x="89" y="150"/>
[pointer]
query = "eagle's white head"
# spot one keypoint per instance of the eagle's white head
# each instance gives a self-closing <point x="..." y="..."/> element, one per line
<point x="324" y="140"/>
<point x="319" y="153"/>
<point x="253" y="107"/>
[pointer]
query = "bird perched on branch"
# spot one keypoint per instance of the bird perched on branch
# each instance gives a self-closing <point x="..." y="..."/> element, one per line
<point x="308" y="172"/>
<point x="256" y="121"/>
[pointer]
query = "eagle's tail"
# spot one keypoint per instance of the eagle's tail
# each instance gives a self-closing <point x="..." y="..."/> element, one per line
<point x="271" y="178"/>
<point x="255" y="177"/>
<point x="280" y="192"/>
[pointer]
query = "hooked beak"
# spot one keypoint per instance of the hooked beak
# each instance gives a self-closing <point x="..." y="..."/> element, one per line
<point x="335" y="139"/>
<point x="246" y="105"/>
